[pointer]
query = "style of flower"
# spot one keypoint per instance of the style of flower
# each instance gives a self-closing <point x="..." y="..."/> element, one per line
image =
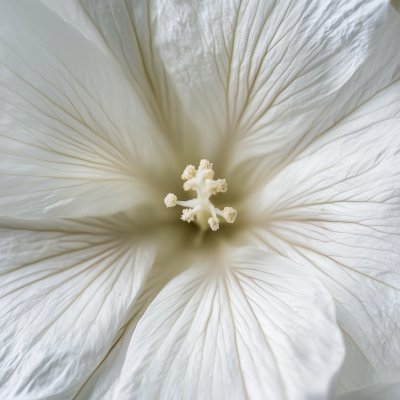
<point x="106" y="293"/>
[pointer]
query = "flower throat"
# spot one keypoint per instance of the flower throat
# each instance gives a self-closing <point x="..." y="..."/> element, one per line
<point x="201" y="210"/>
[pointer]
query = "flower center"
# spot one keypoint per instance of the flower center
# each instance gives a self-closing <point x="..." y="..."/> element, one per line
<point x="201" y="210"/>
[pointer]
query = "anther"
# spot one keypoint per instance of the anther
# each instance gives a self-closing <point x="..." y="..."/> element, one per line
<point x="189" y="172"/>
<point x="214" y="223"/>
<point x="187" y="215"/>
<point x="222" y="185"/>
<point x="230" y="214"/>
<point x="205" y="164"/>
<point x="170" y="200"/>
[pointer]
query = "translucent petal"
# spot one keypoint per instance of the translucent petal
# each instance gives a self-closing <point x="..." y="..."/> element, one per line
<point x="376" y="71"/>
<point x="336" y="210"/>
<point x="73" y="12"/>
<point x="103" y="383"/>
<point x="67" y="288"/>
<point x="131" y="31"/>
<point x="75" y="139"/>
<point x="261" y="328"/>
<point x="258" y="73"/>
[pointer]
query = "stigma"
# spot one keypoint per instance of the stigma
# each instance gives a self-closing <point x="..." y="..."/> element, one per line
<point x="201" y="209"/>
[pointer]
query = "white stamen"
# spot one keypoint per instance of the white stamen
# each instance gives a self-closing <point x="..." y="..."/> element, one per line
<point x="205" y="164"/>
<point x="189" y="172"/>
<point x="170" y="200"/>
<point x="201" y="181"/>
<point x="214" y="223"/>
<point x="212" y="211"/>
<point x="187" y="215"/>
<point x="212" y="187"/>
<point x="230" y="214"/>
<point x="205" y="174"/>
<point x="189" y="185"/>
<point x="222" y="185"/>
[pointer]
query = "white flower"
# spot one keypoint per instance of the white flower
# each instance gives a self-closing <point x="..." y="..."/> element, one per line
<point x="105" y="292"/>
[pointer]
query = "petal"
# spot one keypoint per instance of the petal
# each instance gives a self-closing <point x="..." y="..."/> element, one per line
<point x="73" y="12"/>
<point x="130" y="29"/>
<point x="67" y="288"/>
<point x="379" y="391"/>
<point x="336" y="211"/>
<point x="372" y="75"/>
<point x="72" y="124"/>
<point x="103" y="383"/>
<point x="259" y="72"/>
<point x="261" y="328"/>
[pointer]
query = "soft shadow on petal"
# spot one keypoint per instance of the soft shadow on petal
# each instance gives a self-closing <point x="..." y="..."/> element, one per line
<point x="260" y="327"/>
<point x="73" y="12"/>
<point x="377" y="70"/>
<point x="374" y="79"/>
<point x="67" y="289"/>
<point x="75" y="139"/>
<point x="258" y="73"/>
<point x="336" y="210"/>
<point x="104" y="381"/>
<point x="131" y="31"/>
<point x="379" y="391"/>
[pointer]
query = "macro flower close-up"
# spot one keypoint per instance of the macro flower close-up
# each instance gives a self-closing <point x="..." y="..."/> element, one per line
<point x="199" y="199"/>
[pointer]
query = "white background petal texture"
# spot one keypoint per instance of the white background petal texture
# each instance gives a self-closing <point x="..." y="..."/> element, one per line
<point x="335" y="210"/>
<point x="260" y="72"/>
<point x="103" y="103"/>
<point x="263" y="329"/>
<point x="75" y="138"/>
<point x="63" y="301"/>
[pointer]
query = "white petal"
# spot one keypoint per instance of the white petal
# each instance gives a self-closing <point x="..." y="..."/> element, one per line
<point x="375" y="74"/>
<point x="67" y="288"/>
<point x="103" y="383"/>
<point x="130" y="29"/>
<point x="73" y="12"/>
<point x="74" y="137"/>
<point x="264" y="328"/>
<point x="379" y="391"/>
<point x="260" y="71"/>
<point x="336" y="210"/>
